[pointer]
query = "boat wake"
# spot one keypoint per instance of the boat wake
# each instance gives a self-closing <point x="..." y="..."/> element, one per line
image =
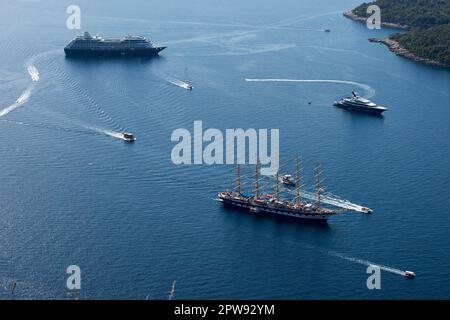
<point x="33" y="72"/>
<point x="368" y="263"/>
<point x="229" y="38"/>
<point x="180" y="84"/>
<point x="18" y="103"/>
<point x="109" y="133"/>
<point x="90" y="130"/>
<point x="25" y="96"/>
<point x="370" y="92"/>
<point x="337" y="202"/>
<point x="47" y="126"/>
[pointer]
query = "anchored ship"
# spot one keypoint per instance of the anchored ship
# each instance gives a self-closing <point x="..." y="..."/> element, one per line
<point x="134" y="46"/>
<point x="273" y="204"/>
<point x="358" y="103"/>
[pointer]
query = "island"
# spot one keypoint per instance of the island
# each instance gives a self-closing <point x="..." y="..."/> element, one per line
<point x="426" y="25"/>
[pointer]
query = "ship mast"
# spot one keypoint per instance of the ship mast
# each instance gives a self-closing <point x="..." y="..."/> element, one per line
<point x="257" y="180"/>
<point x="318" y="187"/>
<point x="238" y="179"/>
<point x="298" y="179"/>
<point x="277" y="186"/>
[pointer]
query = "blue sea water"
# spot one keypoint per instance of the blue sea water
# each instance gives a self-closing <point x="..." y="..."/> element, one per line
<point x="134" y="222"/>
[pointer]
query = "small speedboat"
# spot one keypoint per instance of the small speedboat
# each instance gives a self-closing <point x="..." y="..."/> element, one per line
<point x="287" y="179"/>
<point x="189" y="86"/>
<point x="327" y="30"/>
<point x="410" y="274"/>
<point x="366" y="210"/>
<point x="128" y="137"/>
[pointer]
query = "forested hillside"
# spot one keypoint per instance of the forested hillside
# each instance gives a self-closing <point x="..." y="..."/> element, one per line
<point x="428" y="21"/>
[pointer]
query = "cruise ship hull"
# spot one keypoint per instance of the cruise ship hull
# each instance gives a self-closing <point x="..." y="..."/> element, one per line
<point x="377" y="111"/>
<point x="265" y="209"/>
<point x="145" y="52"/>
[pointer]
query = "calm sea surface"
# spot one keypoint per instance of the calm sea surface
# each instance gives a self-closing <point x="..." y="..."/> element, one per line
<point x="71" y="193"/>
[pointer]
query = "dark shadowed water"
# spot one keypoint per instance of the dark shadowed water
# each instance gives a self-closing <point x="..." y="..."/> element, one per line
<point x="70" y="193"/>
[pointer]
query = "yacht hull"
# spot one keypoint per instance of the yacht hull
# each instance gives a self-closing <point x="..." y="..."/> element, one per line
<point x="360" y="109"/>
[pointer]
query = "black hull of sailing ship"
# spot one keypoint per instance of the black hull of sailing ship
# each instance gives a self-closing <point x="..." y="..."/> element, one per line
<point x="265" y="209"/>
<point x="265" y="203"/>
<point x="280" y="203"/>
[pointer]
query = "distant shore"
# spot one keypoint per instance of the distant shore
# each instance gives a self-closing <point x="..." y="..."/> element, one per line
<point x="396" y="48"/>
<point x="354" y="17"/>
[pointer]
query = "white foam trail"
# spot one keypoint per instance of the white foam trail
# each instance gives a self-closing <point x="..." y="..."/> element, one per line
<point x="340" y="203"/>
<point x="370" y="92"/>
<point x="41" y="55"/>
<point x="113" y="134"/>
<point x="18" y="103"/>
<point x="220" y="39"/>
<point x="342" y="51"/>
<point x="368" y="263"/>
<point x="25" y="96"/>
<point x="207" y="24"/>
<point x="33" y="72"/>
<point x="109" y="133"/>
<point x="179" y="83"/>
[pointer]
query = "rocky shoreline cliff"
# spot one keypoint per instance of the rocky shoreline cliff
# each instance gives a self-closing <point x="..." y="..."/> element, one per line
<point x="350" y="15"/>
<point x="396" y="48"/>
<point x="393" y="45"/>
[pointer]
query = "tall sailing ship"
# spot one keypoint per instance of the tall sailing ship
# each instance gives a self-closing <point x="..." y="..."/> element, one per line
<point x="273" y="204"/>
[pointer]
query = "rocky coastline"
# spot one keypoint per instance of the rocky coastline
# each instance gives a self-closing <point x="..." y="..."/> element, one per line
<point x="396" y="48"/>
<point x="354" y="17"/>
